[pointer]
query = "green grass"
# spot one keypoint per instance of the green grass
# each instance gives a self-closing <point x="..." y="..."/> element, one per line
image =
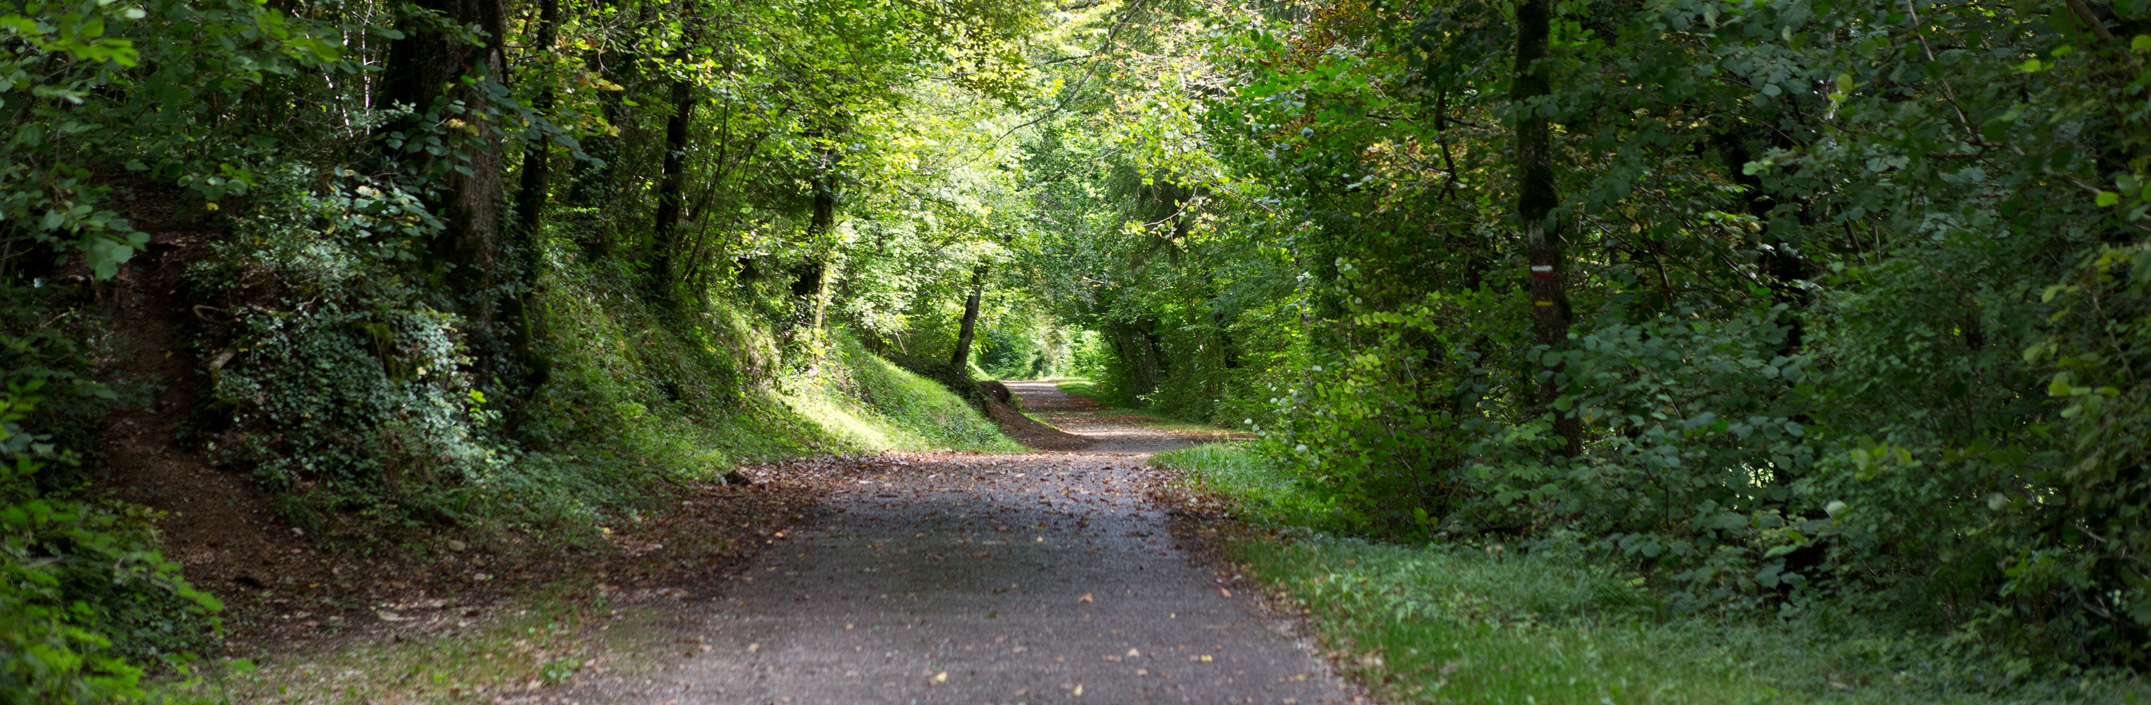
<point x="868" y="403"/>
<point x="1083" y="388"/>
<point x="1443" y="623"/>
<point x="1258" y="491"/>
<point x="639" y="397"/>
<point x="544" y="642"/>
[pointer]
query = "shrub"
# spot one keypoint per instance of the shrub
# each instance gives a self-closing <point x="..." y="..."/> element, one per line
<point x="85" y="597"/>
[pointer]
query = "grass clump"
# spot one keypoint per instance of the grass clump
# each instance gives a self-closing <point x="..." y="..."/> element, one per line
<point x="1256" y="489"/>
<point x="1444" y="623"/>
<point x="1084" y="388"/>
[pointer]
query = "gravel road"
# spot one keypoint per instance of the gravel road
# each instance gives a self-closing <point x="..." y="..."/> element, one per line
<point x="974" y="578"/>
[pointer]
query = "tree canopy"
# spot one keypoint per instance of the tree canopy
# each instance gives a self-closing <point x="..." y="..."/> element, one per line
<point x="1786" y="303"/>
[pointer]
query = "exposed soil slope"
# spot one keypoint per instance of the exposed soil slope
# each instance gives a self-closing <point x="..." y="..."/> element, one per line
<point x="215" y="523"/>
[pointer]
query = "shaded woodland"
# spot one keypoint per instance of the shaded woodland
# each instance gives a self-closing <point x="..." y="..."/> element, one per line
<point x="1788" y="306"/>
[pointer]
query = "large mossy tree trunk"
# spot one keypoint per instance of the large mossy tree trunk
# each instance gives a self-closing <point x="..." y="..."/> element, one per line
<point x="426" y="69"/>
<point x="453" y="82"/>
<point x="1536" y="200"/>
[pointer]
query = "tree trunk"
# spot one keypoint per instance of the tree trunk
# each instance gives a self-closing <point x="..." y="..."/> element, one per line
<point x="592" y="184"/>
<point x="1141" y="355"/>
<point x="425" y="69"/>
<point x="1536" y="199"/>
<point x="530" y="201"/>
<point x="1787" y="269"/>
<point x="532" y="193"/>
<point x="825" y="204"/>
<point x="810" y="283"/>
<point x="964" y="335"/>
<point x="672" y="189"/>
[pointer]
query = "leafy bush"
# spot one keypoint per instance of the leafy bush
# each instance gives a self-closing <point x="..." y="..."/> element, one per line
<point x="84" y="594"/>
<point x="1828" y="310"/>
<point x="333" y="379"/>
<point x="1481" y="620"/>
<point x="88" y="605"/>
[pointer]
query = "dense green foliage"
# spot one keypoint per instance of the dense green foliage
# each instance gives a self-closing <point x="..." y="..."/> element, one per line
<point x="84" y="594"/>
<point x="1790" y="305"/>
<point x="1846" y="297"/>
<point x="506" y="266"/>
<point x="1478" y="620"/>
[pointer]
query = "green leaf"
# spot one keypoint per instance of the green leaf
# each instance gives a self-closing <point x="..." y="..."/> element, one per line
<point x="2107" y="199"/>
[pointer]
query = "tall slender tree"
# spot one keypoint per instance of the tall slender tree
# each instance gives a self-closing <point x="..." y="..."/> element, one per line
<point x="672" y="189"/>
<point x="532" y="194"/>
<point x="967" y="332"/>
<point x="1537" y="199"/>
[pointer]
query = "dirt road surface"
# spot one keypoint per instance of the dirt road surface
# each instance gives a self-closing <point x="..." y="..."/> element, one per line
<point x="974" y="578"/>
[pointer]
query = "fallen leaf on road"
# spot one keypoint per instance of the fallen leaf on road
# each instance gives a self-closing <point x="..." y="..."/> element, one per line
<point x="942" y="677"/>
<point x="751" y="648"/>
<point x="1085" y="598"/>
<point x="1225" y="592"/>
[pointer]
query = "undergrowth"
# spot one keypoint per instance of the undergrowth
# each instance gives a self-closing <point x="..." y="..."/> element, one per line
<point x="356" y="400"/>
<point x="1486" y="623"/>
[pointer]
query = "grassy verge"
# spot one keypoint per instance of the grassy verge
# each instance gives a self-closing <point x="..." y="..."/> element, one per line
<point x="868" y="403"/>
<point x="640" y="398"/>
<point x="1086" y="389"/>
<point x="542" y="643"/>
<point x="1083" y="388"/>
<point x="1441" y="623"/>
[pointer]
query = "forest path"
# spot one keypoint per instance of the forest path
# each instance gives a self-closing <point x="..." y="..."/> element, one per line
<point x="974" y="578"/>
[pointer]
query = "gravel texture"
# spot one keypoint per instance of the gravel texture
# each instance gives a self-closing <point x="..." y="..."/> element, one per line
<point x="971" y="578"/>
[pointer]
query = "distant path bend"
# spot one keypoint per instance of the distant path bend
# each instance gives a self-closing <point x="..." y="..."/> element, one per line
<point x="970" y="578"/>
